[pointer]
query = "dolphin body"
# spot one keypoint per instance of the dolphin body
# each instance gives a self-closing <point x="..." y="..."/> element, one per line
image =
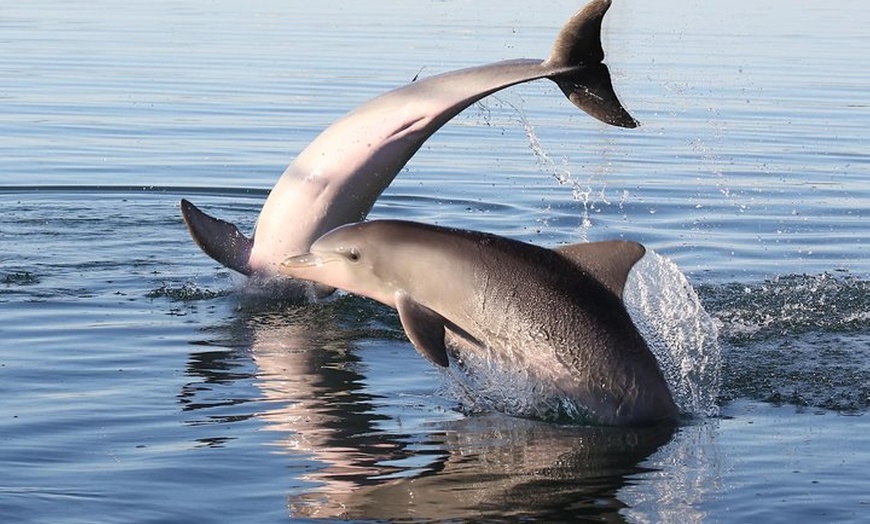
<point x="339" y="176"/>
<point x="553" y="316"/>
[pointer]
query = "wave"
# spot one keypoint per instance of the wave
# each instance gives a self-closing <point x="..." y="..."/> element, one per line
<point x="95" y="190"/>
<point x="789" y="305"/>
<point x="797" y="339"/>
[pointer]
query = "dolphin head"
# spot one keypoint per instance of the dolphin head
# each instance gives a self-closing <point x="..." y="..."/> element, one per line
<point x="380" y="259"/>
<point x="348" y="257"/>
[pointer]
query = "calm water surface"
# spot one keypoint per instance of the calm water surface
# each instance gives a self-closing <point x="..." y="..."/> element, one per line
<point x="140" y="385"/>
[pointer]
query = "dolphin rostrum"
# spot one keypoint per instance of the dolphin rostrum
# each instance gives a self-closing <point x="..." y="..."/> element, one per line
<point x="338" y="177"/>
<point x="553" y="316"/>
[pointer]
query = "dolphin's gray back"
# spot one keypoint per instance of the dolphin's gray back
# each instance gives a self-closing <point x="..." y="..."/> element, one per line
<point x="549" y="305"/>
<point x="546" y="314"/>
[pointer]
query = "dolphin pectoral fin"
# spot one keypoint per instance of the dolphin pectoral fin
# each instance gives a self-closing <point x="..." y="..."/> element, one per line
<point x="608" y="262"/>
<point x="591" y="89"/>
<point x="219" y="239"/>
<point x="424" y="327"/>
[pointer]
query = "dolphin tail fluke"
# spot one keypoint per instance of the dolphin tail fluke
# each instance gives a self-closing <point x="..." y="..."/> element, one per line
<point x="591" y="90"/>
<point x="587" y="85"/>
<point x="219" y="239"/>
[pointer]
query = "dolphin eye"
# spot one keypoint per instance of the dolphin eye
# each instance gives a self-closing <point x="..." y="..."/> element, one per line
<point x="353" y="254"/>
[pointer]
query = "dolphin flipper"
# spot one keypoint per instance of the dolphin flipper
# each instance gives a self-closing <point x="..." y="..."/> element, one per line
<point x="424" y="327"/>
<point x="608" y="262"/>
<point x="218" y="238"/>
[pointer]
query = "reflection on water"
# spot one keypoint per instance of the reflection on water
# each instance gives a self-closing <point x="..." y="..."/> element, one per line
<point x="374" y="459"/>
<point x="680" y="477"/>
<point x="496" y="467"/>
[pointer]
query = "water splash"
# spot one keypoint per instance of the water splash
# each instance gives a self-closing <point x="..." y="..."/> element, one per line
<point x="679" y="332"/>
<point x="185" y="292"/>
<point x="482" y="384"/>
<point x="583" y="193"/>
<point x="796" y="339"/>
<point x="790" y="305"/>
<point x="19" y="278"/>
<point x="670" y="316"/>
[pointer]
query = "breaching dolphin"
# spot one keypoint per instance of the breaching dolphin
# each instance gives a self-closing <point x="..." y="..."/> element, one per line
<point x="338" y="177"/>
<point x="554" y="315"/>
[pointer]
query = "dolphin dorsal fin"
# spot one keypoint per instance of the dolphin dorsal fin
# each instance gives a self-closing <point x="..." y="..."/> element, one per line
<point x="424" y="327"/>
<point x="219" y="239"/>
<point x="608" y="262"/>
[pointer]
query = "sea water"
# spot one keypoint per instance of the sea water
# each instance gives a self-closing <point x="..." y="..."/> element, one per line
<point x="139" y="384"/>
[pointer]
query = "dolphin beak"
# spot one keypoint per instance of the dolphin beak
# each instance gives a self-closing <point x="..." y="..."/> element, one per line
<point x="300" y="262"/>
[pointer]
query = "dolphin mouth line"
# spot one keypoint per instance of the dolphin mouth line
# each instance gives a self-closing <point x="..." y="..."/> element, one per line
<point x="303" y="261"/>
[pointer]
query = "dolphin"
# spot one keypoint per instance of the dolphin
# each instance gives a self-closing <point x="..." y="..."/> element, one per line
<point x="555" y="316"/>
<point x="339" y="176"/>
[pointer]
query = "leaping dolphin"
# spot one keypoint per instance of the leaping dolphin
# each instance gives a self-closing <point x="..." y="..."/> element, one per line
<point x="338" y="177"/>
<point x="555" y="316"/>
